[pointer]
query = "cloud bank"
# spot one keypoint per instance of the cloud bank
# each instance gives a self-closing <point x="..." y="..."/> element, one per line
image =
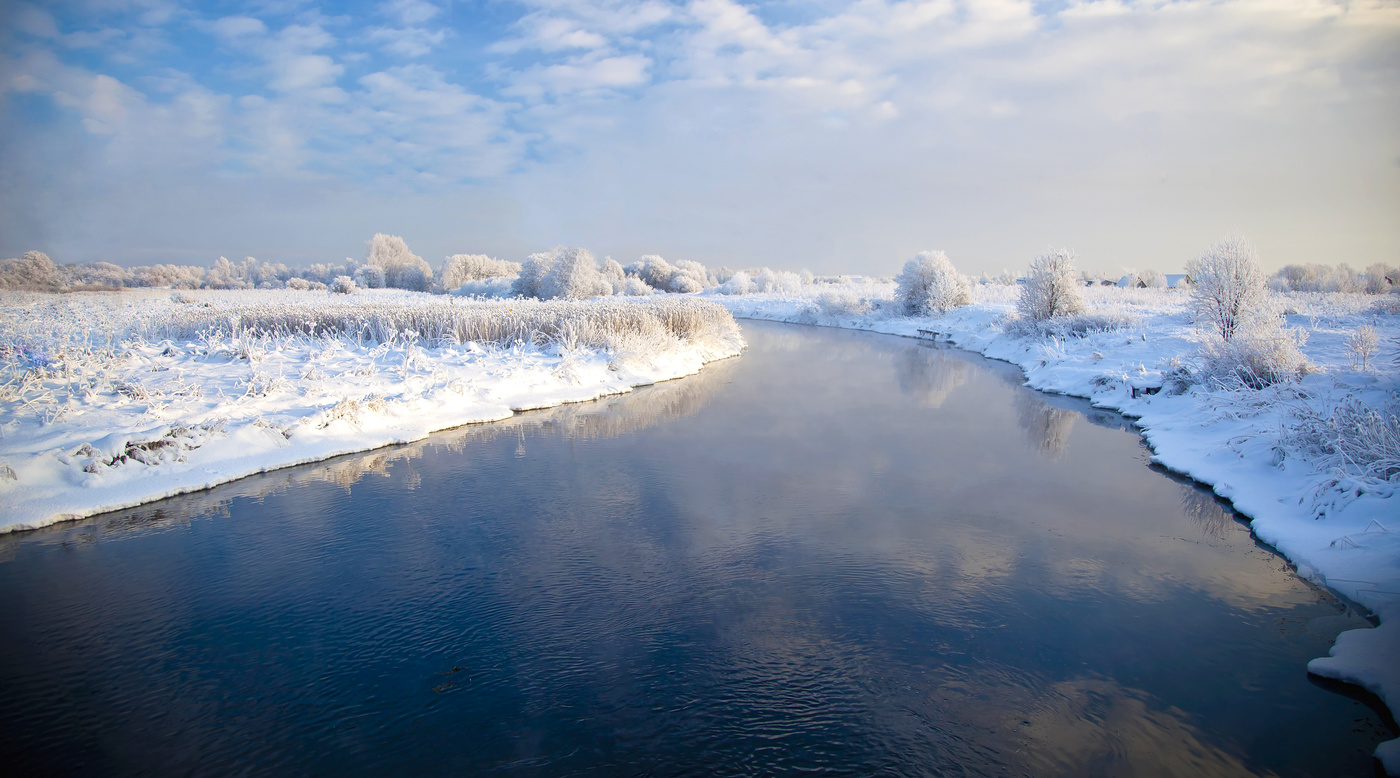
<point x="835" y="136"/>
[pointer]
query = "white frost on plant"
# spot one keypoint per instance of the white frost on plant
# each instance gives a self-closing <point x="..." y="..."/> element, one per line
<point x="109" y="400"/>
<point x="1051" y="288"/>
<point x="930" y="285"/>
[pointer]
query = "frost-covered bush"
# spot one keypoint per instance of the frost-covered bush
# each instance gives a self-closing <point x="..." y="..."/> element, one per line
<point x="168" y="276"/>
<point x="573" y="275"/>
<point x="532" y="271"/>
<point x="95" y="275"/>
<point x="370" y="276"/>
<point x="1244" y="341"/>
<point x="341" y="285"/>
<point x="302" y="285"/>
<point x="1376" y="279"/>
<point x="461" y="268"/>
<point x="402" y="268"/>
<point x="684" y="277"/>
<point x="1078" y="325"/>
<point x="1389" y="304"/>
<point x="1361" y="346"/>
<point x="1259" y="355"/>
<point x="615" y="276"/>
<point x="1356" y="438"/>
<point x="33" y="271"/>
<point x="326" y="273"/>
<point x="644" y="327"/>
<point x="1051" y="289"/>
<point x="738" y="283"/>
<point x="1227" y="292"/>
<point x="847" y="302"/>
<point x="768" y="281"/>
<point x="930" y="285"/>
<point x="636" y="287"/>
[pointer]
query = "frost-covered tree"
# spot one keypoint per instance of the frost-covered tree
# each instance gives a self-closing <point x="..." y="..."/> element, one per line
<point x="738" y="283"/>
<point x="96" y="274"/>
<point x="654" y="270"/>
<point x="573" y="275"/>
<point x="461" y="268"/>
<point x="224" y="275"/>
<point x="370" y="276"/>
<point x="1227" y="291"/>
<point x="683" y="277"/>
<point x="168" y="276"/>
<point x="402" y="268"/>
<point x="615" y="275"/>
<point x="1377" y="279"/>
<point x="690" y="277"/>
<point x="930" y="285"/>
<point x="532" y="271"/>
<point x="1245" y="341"/>
<point x="33" y="271"/>
<point x="1051" y="289"/>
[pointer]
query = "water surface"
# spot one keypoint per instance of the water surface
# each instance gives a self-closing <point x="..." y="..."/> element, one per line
<point x="840" y="553"/>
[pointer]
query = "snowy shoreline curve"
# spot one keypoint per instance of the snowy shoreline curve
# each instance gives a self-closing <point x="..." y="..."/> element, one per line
<point x="1339" y="531"/>
<point x="112" y="400"/>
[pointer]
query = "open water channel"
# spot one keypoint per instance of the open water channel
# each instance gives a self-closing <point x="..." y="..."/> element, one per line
<point x="840" y="553"/>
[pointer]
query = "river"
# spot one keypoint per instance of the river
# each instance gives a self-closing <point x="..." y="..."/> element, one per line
<point x="840" y="553"/>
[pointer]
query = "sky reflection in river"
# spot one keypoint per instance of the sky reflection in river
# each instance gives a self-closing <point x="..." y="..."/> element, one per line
<point x="840" y="551"/>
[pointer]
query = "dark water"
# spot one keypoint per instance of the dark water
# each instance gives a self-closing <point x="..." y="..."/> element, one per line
<point x="840" y="553"/>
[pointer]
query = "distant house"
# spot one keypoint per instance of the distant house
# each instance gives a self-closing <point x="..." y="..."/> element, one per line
<point x="1175" y="280"/>
<point x="1131" y="282"/>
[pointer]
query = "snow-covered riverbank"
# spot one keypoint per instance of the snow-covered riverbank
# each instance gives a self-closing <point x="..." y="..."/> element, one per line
<point x="111" y="400"/>
<point x="1255" y="447"/>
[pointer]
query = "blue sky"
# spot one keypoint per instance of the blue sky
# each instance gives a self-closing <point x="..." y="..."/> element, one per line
<point x="829" y="135"/>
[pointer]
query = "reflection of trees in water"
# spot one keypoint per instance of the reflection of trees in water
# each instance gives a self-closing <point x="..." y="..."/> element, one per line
<point x="1204" y="511"/>
<point x="1047" y="427"/>
<point x="929" y="375"/>
<point x="616" y="416"/>
<point x="605" y="418"/>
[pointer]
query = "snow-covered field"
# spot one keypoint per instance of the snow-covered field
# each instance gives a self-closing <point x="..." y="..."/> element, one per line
<point x="114" y="399"/>
<point x="1272" y="452"/>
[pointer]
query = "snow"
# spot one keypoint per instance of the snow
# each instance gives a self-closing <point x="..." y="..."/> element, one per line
<point x="101" y="414"/>
<point x="1339" y="526"/>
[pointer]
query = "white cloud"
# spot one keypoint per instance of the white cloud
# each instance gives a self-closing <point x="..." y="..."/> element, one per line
<point x="408" y="42"/>
<point x="867" y="130"/>
<point x="410" y="12"/>
<point x="235" y="28"/>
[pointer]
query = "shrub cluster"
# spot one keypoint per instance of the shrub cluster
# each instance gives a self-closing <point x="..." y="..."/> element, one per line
<point x="930" y="285"/>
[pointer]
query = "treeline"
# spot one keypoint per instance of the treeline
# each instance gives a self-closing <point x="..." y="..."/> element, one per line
<point x="1375" y="279"/>
<point x="563" y="273"/>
